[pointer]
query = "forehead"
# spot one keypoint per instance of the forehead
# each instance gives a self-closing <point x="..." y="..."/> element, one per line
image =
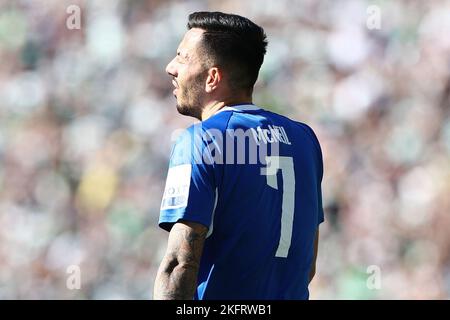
<point x="191" y="40"/>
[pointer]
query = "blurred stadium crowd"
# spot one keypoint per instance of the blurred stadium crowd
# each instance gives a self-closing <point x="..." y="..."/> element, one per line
<point x="87" y="119"/>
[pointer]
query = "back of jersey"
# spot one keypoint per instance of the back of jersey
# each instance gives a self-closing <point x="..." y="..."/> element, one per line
<point x="267" y="207"/>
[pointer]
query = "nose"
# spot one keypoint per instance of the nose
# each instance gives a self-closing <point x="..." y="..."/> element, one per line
<point x="170" y="69"/>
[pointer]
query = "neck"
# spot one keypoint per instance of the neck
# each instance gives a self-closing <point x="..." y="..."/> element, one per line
<point x="214" y="106"/>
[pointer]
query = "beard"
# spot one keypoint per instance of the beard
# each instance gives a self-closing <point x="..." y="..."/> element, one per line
<point x="189" y="99"/>
<point x="189" y="110"/>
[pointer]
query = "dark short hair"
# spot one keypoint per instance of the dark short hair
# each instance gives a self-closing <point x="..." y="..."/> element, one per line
<point x="232" y="42"/>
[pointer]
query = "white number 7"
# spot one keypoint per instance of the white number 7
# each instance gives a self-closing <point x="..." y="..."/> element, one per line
<point x="286" y="165"/>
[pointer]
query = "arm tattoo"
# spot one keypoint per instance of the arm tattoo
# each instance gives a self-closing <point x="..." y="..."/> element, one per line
<point x="177" y="275"/>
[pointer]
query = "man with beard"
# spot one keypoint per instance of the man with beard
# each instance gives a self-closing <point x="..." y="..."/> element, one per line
<point x="239" y="228"/>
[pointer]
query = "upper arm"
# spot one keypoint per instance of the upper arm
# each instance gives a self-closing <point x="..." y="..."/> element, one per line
<point x="185" y="244"/>
<point x="178" y="272"/>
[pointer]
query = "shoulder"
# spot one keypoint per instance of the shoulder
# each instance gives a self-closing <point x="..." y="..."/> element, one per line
<point x="216" y="123"/>
<point x="311" y="133"/>
<point x="219" y="121"/>
<point x="308" y="130"/>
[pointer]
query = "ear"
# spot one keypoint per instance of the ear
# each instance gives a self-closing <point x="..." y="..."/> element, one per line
<point x="213" y="79"/>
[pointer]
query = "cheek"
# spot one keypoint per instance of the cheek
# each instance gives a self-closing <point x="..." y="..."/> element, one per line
<point x="190" y="79"/>
<point x="183" y="77"/>
<point x="185" y="82"/>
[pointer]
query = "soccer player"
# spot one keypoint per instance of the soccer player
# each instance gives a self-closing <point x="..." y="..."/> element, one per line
<point x="242" y="200"/>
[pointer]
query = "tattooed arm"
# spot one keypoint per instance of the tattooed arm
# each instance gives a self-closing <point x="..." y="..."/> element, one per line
<point x="177" y="274"/>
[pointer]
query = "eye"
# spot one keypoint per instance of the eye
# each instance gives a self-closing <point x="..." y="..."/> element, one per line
<point x="180" y="58"/>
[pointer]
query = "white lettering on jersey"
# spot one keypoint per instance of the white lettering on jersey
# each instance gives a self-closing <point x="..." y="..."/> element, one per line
<point x="270" y="135"/>
<point x="176" y="193"/>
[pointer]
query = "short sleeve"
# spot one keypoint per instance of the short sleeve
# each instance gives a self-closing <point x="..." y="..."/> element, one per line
<point x="189" y="192"/>
<point x="320" y="215"/>
<point x="319" y="173"/>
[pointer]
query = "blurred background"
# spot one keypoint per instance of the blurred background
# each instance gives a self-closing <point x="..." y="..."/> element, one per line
<point x="87" y="118"/>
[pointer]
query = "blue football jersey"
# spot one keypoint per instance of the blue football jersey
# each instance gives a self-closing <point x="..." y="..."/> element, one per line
<point x="253" y="177"/>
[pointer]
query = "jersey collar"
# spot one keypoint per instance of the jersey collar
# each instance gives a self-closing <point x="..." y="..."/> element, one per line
<point x="239" y="107"/>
